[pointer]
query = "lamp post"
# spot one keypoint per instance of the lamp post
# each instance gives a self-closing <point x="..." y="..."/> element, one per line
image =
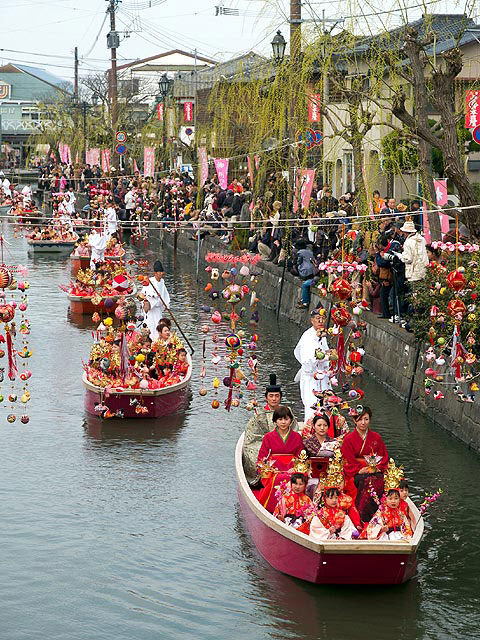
<point x="165" y="86"/>
<point x="279" y="45"/>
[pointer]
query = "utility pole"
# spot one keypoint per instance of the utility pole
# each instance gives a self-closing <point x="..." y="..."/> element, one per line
<point x="113" y="42"/>
<point x="75" y="76"/>
<point x="295" y="29"/>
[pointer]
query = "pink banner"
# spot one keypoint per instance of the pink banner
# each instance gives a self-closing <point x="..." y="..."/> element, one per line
<point x="188" y="111"/>
<point x="68" y="154"/>
<point x="305" y="187"/>
<point x="257" y="162"/>
<point x="160" y="110"/>
<point x="105" y="160"/>
<point x="221" y="167"/>
<point x="148" y="161"/>
<point x="93" y="156"/>
<point x="441" y="191"/>
<point x="203" y="162"/>
<point x="250" y="171"/>
<point x="61" y="151"/>
<point x="135" y="167"/>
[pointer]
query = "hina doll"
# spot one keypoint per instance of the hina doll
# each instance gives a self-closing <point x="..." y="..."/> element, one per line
<point x="389" y="522"/>
<point x="294" y="507"/>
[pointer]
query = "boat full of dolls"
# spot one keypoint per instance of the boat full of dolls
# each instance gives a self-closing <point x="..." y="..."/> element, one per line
<point x="80" y="256"/>
<point x="331" y="561"/>
<point x="128" y="399"/>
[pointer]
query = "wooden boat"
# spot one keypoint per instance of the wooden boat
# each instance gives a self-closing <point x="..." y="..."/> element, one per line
<point x="52" y="246"/>
<point x="84" y="305"/>
<point x="330" y="562"/>
<point x="159" y="402"/>
<point x="83" y="262"/>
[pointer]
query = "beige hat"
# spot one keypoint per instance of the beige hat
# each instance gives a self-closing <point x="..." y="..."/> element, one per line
<point x="408" y="227"/>
<point x="331" y="214"/>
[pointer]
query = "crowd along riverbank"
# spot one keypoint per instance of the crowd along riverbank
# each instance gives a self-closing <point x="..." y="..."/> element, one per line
<point x="392" y="355"/>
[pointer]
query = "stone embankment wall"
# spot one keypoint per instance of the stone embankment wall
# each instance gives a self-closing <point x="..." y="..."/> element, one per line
<point x="390" y="351"/>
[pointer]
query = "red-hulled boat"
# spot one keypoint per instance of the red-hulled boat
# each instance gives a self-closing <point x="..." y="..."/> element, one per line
<point x="330" y="562"/>
<point x="83" y="262"/>
<point x="158" y="402"/>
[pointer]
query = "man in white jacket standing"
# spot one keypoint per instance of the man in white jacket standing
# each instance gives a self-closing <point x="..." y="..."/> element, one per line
<point x="414" y="254"/>
<point x="311" y="353"/>
<point x="156" y="299"/>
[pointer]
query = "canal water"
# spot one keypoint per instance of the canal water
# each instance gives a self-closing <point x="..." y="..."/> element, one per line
<point x="133" y="531"/>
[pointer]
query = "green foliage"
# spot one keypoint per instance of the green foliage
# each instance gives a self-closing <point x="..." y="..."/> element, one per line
<point x="399" y="154"/>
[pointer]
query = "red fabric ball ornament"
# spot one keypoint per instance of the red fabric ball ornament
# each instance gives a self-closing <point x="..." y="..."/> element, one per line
<point x="340" y="316"/>
<point x="456" y="280"/>
<point x="341" y="288"/>
<point x="355" y="356"/>
<point x="455" y="307"/>
<point x="7" y="312"/>
<point x="5" y="278"/>
<point x="120" y="283"/>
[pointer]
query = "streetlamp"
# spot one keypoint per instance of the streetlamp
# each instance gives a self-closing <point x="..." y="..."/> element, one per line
<point x="165" y="86"/>
<point x="279" y="45"/>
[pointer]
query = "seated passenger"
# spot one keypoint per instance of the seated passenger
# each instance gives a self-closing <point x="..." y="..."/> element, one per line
<point x="181" y="365"/>
<point x="404" y="506"/>
<point x="331" y="522"/>
<point x="315" y="444"/>
<point x="389" y="522"/>
<point x="277" y="451"/>
<point x="294" y="507"/>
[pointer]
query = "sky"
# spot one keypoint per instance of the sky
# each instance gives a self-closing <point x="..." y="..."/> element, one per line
<point x="43" y="33"/>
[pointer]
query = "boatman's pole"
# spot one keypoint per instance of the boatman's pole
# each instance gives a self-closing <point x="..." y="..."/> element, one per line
<point x="173" y="317"/>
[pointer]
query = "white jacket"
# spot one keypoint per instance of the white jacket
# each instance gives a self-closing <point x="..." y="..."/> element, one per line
<point x="415" y="257"/>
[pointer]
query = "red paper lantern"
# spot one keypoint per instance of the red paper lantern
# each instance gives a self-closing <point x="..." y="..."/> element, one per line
<point x="340" y="316"/>
<point x="455" y="307"/>
<point x="456" y="280"/>
<point x="341" y="288"/>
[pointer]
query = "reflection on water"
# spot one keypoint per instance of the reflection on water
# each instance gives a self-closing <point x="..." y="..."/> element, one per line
<point x="131" y="529"/>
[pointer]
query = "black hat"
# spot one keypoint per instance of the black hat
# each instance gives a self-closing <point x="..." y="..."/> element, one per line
<point x="273" y="387"/>
<point x="157" y="266"/>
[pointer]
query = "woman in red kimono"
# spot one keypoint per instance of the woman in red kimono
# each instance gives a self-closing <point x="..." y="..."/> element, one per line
<point x="279" y="447"/>
<point x="366" y="458"/>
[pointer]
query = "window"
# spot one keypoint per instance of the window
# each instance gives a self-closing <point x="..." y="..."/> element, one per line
<point x="31" y="113"/>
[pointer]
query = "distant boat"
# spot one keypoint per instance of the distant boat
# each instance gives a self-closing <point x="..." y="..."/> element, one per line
<point x="52" y="246"/>
<point x="329" y="562"/>
<point x="158" y="402"/>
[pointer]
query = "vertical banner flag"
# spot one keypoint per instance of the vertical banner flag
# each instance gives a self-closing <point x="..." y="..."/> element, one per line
<point x="160" y="110"/>
<point x="221" y="166"/>
<point x="472" y="109"/>
<point x="105" y="160"/>
<point x="257" y="161"/>
<point x="250" y="170"/>
<point x="306" y="185"/>
<point x="68" y="154"/>
<point x="148" y="161"/>
<point x="60" y="150"/>
<point x="95" y="156"/>
<point x="203" y="162"/>
<point x="135" y="167"/>
<point x="441" y="195"/>
<point x="314" y="107"/>
<point x="88" y="157"/>
<point x="188" y="111"/>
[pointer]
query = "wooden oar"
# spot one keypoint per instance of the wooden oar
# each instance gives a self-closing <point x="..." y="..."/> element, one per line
<point x="173" y="317"/>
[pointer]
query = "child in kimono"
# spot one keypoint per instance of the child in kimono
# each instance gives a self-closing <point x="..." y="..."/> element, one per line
<point x="331" y="522"/>
<point x="295" y="507"/>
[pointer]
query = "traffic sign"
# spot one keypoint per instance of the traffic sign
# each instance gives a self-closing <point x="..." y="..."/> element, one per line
<point x="476" y="135"/>
<point x="121" y="149"/>
<point x="120" y="136"/>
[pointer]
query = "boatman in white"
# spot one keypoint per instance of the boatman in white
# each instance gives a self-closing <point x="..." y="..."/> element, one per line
<point x="312" y="353"/>
<point x="110" y="220"/>
<point x="98" y="244"/>
<point x="156" y="299"/>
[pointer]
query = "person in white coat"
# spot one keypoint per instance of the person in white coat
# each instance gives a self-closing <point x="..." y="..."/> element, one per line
<point x="156" y="299"/>
<point x="414" y="253"/>
<point x="311" y="353"/>
<point x="98" y="244"/>
<point x="110" y="220"/>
